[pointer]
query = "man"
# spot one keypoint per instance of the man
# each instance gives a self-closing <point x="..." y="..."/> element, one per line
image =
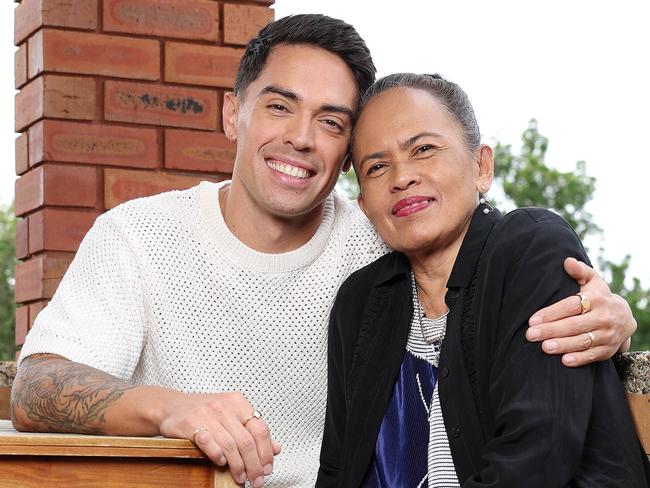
<point x="227" y="288"/>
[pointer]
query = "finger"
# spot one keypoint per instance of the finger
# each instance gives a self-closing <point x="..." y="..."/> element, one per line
<point x="260" y="432"/>
<point x="598" y="353"/>
<point x="231" y="451"/>
<point x="567" y="307"/>
<point x="209" y="446"/>
<point x="247" y="448"/>
<point x="277" y="448"/>
<point x="577" y="343"/>
<point x="568" y="327"/>
<point x="579" y="271"/>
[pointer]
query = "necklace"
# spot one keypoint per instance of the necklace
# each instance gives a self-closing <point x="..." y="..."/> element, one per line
<point x="433" y="330"/>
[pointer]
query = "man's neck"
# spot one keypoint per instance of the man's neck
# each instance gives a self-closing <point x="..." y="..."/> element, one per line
<point x="262" y="231"/>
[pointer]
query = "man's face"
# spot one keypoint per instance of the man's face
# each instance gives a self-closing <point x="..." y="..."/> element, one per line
<point x="292" y="126"/>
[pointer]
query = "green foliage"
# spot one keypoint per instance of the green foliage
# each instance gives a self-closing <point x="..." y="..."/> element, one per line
<point x="7" y="270"/>
<point x="527" y="181"/>
<point x="348" y="184"/>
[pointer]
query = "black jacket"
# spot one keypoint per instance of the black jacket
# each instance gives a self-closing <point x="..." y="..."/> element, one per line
<point x="514" y="416"/>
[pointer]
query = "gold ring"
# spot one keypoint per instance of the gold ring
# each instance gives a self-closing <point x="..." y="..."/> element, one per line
<point x="197" y="431"/>
<point x="592" y="339"/>
<point x="585" y="303"/>
<point x="254" y="415"/>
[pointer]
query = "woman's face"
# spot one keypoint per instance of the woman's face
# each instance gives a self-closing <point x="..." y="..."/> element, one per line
<point x="419" y="182"/>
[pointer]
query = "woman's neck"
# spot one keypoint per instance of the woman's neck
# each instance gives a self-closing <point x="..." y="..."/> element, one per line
<point x="432" y="271"/>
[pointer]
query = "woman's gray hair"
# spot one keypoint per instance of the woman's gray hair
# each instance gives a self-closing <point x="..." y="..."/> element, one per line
<point x="452" y="97"/>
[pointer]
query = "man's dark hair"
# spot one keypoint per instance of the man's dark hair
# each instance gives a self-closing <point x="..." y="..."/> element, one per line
<point x="316" y="30"/>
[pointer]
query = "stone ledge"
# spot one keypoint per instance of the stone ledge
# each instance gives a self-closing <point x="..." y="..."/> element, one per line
<point x="634" y="370"/>
<point x="7" y="373"/>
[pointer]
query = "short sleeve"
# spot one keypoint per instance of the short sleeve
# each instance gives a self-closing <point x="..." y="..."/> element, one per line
<point x="98" y="314"/>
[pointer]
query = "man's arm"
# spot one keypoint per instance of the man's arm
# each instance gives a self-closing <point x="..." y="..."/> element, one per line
<point x="564" y="331"/>
<point x="52" y="394"/>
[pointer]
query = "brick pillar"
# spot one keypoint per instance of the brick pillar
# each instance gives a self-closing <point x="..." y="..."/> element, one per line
<point x="118" y="99"/>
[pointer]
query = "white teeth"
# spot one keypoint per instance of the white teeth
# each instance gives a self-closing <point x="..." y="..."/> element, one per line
<point x="287" y="169"/>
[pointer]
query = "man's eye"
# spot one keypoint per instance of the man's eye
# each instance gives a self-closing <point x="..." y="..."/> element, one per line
<point x="333" y="124"/>
<point x="277" y="107"/>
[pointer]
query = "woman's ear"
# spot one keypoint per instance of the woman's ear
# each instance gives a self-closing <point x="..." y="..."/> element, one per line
<point x="229" y="113"/>
<point x="485" y="162"/>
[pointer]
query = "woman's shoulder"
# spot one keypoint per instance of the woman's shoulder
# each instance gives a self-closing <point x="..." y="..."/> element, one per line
<point x="532" y="225"/>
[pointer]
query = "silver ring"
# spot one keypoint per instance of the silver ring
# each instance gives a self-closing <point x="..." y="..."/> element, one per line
<point x="203" y="427"/>
<point x="254" y="415"/>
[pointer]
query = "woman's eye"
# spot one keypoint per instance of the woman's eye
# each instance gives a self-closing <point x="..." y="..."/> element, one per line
<point x="374" y="168"/>
<point x="424" y="148"/>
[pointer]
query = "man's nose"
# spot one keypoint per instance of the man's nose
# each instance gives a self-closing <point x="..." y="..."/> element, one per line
<point x="300" y="133"/>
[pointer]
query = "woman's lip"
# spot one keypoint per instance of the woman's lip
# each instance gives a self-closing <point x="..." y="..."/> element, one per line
<point x="410" y="205"/>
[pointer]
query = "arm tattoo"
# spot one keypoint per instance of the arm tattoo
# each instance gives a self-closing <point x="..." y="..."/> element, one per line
<point x="58" y="395"/>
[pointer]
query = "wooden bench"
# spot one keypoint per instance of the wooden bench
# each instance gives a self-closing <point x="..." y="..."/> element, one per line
<point x="31" y="460"/>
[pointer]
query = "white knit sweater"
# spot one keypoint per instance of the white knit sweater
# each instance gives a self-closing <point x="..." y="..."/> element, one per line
<point x="161" y="293"/>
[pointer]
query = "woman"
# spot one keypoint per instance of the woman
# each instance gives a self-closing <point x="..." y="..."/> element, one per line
<point x="483" y="407"/>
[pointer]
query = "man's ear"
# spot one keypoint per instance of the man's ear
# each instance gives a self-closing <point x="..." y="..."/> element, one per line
<point x="347" y="164"/>
<point x="229" y="113"/>
<point x="362" y="204"/>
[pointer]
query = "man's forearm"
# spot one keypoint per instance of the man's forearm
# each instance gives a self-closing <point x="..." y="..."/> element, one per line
<point x="52" y="394"/>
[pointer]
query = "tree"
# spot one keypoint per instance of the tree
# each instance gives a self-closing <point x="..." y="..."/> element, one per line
<point x="527" y="180"/>
<point x="7" y="273"/>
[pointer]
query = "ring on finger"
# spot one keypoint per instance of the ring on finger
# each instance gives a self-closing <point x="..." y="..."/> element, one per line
<point x="202" y="428"/>
<point x="255" y="415"/>
<point x="585" y="303"/>
<point x="592" y="339"/>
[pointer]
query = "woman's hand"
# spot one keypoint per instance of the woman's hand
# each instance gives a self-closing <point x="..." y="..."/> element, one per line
<point x="564" y="330"/>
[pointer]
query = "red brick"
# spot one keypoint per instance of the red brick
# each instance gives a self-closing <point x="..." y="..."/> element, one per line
<point x="187" y="19"/>
<point x="22" y="324"/>
<point x="210" y="152"/>
<point x="22" y="242"/>
<point x="94" y="54"/>
<point x="121" y="185"/>
<point x="54" y="229"/>
<point x="242" y="22"/>
<point x="162" y="105"/>
<point x="201" y="65"/>
<point x="31" y="15"/>
<point x="51" y="184"/>
<point x="20" y="65"/>
<point x="34" y="309"/>
<point x="21" y="154"/>
<point x="39" y="277"/>
<point x="54" y="96"/>
<point x="54" y="140"/>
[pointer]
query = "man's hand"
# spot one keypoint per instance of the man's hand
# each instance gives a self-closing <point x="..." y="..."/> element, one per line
<point x="564" y="330"/>
<point x="52" y="394"/>
<point x="220" y="425"/>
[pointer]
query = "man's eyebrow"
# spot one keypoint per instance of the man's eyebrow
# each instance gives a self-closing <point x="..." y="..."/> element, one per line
<point x="291" y="95"/>
<point x="412" y="140"/>
<point x="341" y="109"/>
<point x="281" y="91"/>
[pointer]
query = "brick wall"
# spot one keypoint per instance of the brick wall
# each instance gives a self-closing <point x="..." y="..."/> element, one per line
<point x="118" y="99"/>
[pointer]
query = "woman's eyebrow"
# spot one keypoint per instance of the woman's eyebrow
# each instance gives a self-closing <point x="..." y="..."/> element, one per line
<point x="412" y="140"/>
